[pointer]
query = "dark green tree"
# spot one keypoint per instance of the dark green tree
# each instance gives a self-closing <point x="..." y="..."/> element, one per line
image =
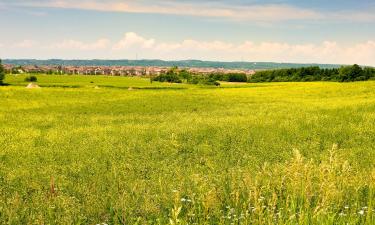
<point x="186" y="75"/>
<point x="350" y="73"/>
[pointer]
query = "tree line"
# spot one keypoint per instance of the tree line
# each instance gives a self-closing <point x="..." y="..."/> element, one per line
<point x="315" y="73"/>
<point x="174" y="75"/>
<point x="303" y="74"/>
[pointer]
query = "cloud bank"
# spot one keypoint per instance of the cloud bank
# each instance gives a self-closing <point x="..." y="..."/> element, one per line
<point x="132" y="44"/>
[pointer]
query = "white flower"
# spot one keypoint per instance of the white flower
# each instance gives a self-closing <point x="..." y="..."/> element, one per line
<point x="361" y="212"/>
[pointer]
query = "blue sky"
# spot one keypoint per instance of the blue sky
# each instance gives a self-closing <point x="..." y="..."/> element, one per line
<point x="336" y="31"/>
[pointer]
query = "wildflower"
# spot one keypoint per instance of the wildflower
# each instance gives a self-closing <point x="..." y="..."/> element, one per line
<point x="346" y="207"/>
<point x="361" y="212"/>
<point x="183" y="199"/>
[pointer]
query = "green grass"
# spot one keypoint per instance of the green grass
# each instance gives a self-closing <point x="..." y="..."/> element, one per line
<point x="279" y="153"/>
<point x="69" y="81"/>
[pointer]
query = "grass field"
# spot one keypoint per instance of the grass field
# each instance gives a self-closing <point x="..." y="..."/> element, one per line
<point x="280" y="153"/>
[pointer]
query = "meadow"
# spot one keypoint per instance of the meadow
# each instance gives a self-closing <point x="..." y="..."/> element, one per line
<point x="265" y="153"/>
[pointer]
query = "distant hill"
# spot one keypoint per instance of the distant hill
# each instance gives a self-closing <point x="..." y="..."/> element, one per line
<point x="161" y="63"/>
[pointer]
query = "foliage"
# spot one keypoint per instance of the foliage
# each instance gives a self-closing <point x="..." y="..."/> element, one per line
<point x="236" y="77"/>
<point x="355" y="73"/>
<point x="175" y="153"/>
<point x="31" y="78"/>
<point x="2" y="73"/>
<point x="171" y="76"/>
<point x="186" y="75"/>
<point x="344" y="74"/>
<point x="174" y="75"/>
<point x="203" y="80"/>
<point x="229" y="77"/>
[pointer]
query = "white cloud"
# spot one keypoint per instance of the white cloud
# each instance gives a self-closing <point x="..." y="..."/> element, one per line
<point x="134" y="44"/>
<point x="25" y="44"/>
<point x="100" y="44"/>
<point x="189" y="44"/>
<point x="325" y="52"/>
<point x="131" y="39"/>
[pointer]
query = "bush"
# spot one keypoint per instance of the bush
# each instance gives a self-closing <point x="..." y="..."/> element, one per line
<point x="230" y="77"/>
<point x="169" y="77"/>
<point x="237" y="77"/>
<point x="204" y="80"/>
<point x="31" y="78"/>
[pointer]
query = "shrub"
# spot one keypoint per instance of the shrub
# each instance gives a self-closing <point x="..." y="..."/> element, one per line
<point x="31" y="78"/>
<point x="171" y="76"/>
<point x="230" y="77"/>
<point x="204" y="80"/>
<point x="168" y="77"/>
<point x="237" y="77"/>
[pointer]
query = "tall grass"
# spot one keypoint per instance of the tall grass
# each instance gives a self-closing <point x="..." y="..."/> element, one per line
<point x="299" y="191"/>
<point x="189" y="156"/>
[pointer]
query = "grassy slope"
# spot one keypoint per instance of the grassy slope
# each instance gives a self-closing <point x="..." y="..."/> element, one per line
<point x="89" y="81"/>
<point x="114" y="155"/>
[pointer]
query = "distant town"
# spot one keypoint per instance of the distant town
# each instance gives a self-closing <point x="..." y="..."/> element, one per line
<point x="113" y="70"/>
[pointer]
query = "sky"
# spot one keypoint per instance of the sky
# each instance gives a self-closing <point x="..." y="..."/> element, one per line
<point x="299" y="31"/>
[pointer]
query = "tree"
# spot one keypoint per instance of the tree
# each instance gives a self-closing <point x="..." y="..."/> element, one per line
<point x="2" y="73"/>
<point x="186" y="75"/>
<point x="350" y="73"/>
<point x="31" y="78"/>
<point x="237" y="77"/>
